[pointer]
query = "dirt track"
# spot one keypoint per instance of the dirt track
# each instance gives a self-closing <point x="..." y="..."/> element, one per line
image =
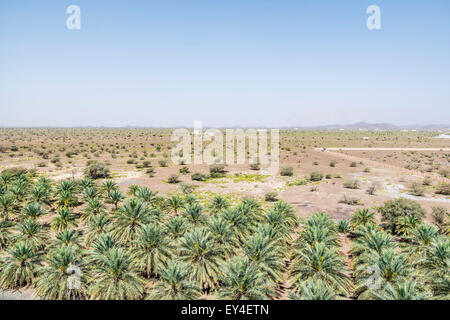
<point x="383" y="149"/>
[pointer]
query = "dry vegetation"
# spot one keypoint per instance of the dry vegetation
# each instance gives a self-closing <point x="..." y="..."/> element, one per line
<point x="111" y="202"/>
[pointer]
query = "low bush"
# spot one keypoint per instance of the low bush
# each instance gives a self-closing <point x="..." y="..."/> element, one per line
<point x="315" y="176"/>
<point x="173" y="178"/>
<point x="287" y="171"/>
<point x="444" y="189"/>
<point x="96" y="170"/>
<point x="349" y="200"/>
<point x="351" y="184"/>
<point x="271" y="196"/>
<point x="199" y="176"/>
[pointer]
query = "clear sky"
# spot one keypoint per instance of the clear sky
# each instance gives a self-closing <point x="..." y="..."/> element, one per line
<point x="226" y="62"/>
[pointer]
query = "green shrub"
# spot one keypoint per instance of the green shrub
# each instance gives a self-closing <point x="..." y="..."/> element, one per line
<point x="173" y="178"/>
<point x="417" y="189"/>
<point x="96" y="170"/>
<point x="217" y="170"/>
<point x="392" y="210"/>
<point x="315" y="176"/>
<point x="187" y="188"/>
<point x="371" y="189"/>
<point x="184" y="170"/>
<point x="146" y="164"/>
<point x="349" y="200"/>
<point x="440" y="216"/>
<point x="15" y="171"/>
<point x="351" y="184"/>
<point x="287" y="171"/>
<point x="445" y="173"/>
<point x="343" y="226"/>
<point x="162" y="163"/>
<point x="199" y="176"/>
<point x="271" y="196"/>
<point x="443" y="188"/>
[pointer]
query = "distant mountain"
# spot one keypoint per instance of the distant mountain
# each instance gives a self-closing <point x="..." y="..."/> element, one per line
<point x="378" y="126"/>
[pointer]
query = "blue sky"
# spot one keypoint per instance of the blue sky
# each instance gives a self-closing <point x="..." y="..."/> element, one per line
<point x="251" y="63"/>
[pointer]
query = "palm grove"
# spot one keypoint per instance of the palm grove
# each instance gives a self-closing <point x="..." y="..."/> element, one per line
<point x="146" y="246"/>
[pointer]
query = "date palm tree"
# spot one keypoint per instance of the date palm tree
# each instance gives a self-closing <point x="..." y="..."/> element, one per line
<point x="175" y="203"/>
<point x="434" y="266"/>
<point x="115" y="197"/>
<point x="66" y="199"/>
<point x="287" y="212"/>
<point x="266" y="255"/>
<point x="5" y="180"/>
<point x="386" y="267"/>
<point x="65" y="219"/>
<point x="95" y="227"/>
<point x="63" y="275"/>
<point x="94" y="208"/>
<point x="109" y="186"/>
<point x="152" y="251"/>
<point x="314" y="290"/>
<point x="19" y="267"/>
<point x="31" y="232"/>
<point x="217" y="204"/>
<point x="310" y="236"/>
<point x="320" y="262"/>
<point x="114" y="278"/>
<point x="7" y="205"/>
<point x="102" y="244"/>
<point x="238" y="222"/>
<point x="86" y="183"/>
<point x="176" y="227"/>
<point x="68" y="237"/>
<point x="424" y="234"/>
<point x="129" y="220"/>
<point x="41" y="194"/>
<point x="90" y="193"/>
<point x="362" y="217"/>
<point x="146" y="195"/>
<point x="243" y="281"/>
<point x="194" y="215"/>
<point x="66" y="186"/>
<point x="197" y="249"/>
<point x="33" y="210"/>
<point x="321" y="219"/>
<point x="420" y="239"/>
<point x="273" y="235"/>
<point x="369" y="244"/>
<point x="5" y="233"/>
<point x="190" y="199"/>
<point x="223" y="236"/>
<point x="402" y="290"/>
<point x="174" y="284"/>
<point x="20" y="187"/>
<point x="275" y="220"/>
<point x="132" y="190"/>
<point x="405" y="225"/>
